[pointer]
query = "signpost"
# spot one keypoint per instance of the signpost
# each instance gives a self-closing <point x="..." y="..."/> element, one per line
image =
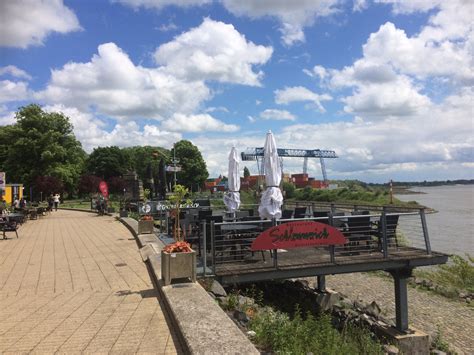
<point x="298" y="234"/>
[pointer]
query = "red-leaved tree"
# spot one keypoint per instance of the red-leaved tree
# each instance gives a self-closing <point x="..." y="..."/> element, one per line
<point x="88" y="184"/>
<point x="49" y="185"/>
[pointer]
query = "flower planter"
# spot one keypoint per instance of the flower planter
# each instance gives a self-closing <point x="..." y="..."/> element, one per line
<point x="178" y="266"/>
<point x="123" y="213"/>
<point x="145" y="227"/>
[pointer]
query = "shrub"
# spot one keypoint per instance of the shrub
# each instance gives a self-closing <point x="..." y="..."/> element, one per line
<point x="275" y="331"/>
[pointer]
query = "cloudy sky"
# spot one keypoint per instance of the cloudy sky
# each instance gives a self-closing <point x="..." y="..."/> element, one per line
<point x="387" y="84"/>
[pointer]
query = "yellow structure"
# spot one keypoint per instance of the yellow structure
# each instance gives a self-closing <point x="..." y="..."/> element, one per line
<point x="12" y="190"/>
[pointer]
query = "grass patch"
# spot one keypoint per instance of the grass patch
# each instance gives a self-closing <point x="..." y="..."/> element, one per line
<point x="276" y="332"/>
<point x="85" y="204"/>
<point x="454" y="277"/>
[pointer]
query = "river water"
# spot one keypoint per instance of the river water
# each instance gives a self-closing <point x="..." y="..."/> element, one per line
<point x="451" y="230"/>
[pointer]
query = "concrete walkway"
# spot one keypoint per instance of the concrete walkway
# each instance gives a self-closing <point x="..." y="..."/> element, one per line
<point x="75" y="282"/>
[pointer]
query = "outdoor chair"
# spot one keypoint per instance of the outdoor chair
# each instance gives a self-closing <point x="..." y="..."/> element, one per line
<point x="8" y="226"/>
<point x="359" y="231"/>
<point x="203" y="214"/>
<point x="286" y="214"/>
<point x="320" y="214"/>
<point x="300" y="212"/>
<point x="391" y="230"/>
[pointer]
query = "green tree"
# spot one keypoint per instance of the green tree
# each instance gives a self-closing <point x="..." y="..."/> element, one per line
<point x="246" y="172"/>
<point x="140" y="157"/>
<point x="107" y="162"/>
<point x="194" y="171"/>
<point x="41" y="144"/>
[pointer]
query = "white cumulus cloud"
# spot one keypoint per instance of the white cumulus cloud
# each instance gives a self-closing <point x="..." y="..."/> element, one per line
<point x="213" y="51"/>
<point x="112" y="84"/>
<point x="197" y="123"/>
<point x="159" y="4"/>
<point x="274" y="114"/>
<point x="92" y="132"/>
<point x="293" y="15"/>
<point x="29" y="22"/>
<point x="13" y="91"/>
<point x="299" y="93"/>
<point x="15" y="72"/>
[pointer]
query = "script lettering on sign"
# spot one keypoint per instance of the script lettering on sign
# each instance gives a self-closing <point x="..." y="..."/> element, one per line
<point x="297" y="235"/>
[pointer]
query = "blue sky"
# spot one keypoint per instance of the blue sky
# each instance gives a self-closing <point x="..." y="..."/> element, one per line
<point x="387" y="84"/>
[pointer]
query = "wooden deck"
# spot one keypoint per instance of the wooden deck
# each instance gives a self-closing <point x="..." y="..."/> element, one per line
<point x="306" y="262"/>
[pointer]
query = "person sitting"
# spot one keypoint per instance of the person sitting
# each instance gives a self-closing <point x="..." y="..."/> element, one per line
<point x="3" y="206"/>
<point x="16" y="204"/>
<point x="22" y="203"/>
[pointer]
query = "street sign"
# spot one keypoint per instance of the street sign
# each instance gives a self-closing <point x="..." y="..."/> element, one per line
<point x="171" y="168"/>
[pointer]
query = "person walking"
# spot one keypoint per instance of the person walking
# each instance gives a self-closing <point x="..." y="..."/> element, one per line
<point x="56" y="201"/>
<point x="50" y="203"/>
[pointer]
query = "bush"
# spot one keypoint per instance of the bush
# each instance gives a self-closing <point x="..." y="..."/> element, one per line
<point x="276" y="332"/>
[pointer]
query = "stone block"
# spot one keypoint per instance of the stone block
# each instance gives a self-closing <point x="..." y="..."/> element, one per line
<point x="413" y="342"/>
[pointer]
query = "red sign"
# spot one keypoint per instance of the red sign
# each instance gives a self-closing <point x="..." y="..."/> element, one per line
<point x="104" y="189"/>
<point x="297" y="235"/>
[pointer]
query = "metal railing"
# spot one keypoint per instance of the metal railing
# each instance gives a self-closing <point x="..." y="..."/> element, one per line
<point x="369" y="236"/>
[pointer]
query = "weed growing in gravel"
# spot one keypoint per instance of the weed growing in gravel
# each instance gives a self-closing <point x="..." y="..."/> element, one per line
<point x="439" y="343"/>
<point x="457" y="275"/>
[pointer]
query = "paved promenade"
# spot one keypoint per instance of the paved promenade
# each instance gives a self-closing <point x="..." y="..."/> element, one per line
<point x="75" y="282"/>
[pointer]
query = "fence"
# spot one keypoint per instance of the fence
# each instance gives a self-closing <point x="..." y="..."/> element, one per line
<point x="370" y="236"/>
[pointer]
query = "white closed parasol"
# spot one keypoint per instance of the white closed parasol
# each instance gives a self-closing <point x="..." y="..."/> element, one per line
<point x="272" y="199"/>
<point x="232" y="197"/>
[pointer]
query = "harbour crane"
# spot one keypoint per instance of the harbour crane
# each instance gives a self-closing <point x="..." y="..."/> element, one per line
<point x="256" y="154"/>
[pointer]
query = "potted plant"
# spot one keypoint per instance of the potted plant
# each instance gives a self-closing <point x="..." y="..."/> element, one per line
<point x="146" y="223"/>
<point x="178" y="260"/>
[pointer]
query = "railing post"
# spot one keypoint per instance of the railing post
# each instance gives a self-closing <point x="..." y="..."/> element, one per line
<point x="332" y="253"/>
<point x="213" y="247"/>
<point x="425" y="231"/>
<point x="204" y="251"/>
<point x="384" y="234"/>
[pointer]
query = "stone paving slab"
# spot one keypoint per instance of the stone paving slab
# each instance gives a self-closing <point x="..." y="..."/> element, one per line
<point x="75" y="282"/>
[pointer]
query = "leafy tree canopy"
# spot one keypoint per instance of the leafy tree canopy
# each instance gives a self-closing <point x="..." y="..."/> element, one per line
<point x="140" y="157"/>
<point x="106" y="162"/>
<point x="246" y="172"/>
<point x="40" y="144"/>
<point x="194" y="171"/>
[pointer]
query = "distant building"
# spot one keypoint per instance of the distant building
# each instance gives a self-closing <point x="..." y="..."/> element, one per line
<point x="252" y="181"/>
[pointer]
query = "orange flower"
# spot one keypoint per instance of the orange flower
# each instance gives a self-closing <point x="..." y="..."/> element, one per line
<point x="178" y="247"/>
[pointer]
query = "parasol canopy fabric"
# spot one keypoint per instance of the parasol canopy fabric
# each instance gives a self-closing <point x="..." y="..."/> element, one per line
<point x="232" y="197"/>
<point x="272" y="198"/>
